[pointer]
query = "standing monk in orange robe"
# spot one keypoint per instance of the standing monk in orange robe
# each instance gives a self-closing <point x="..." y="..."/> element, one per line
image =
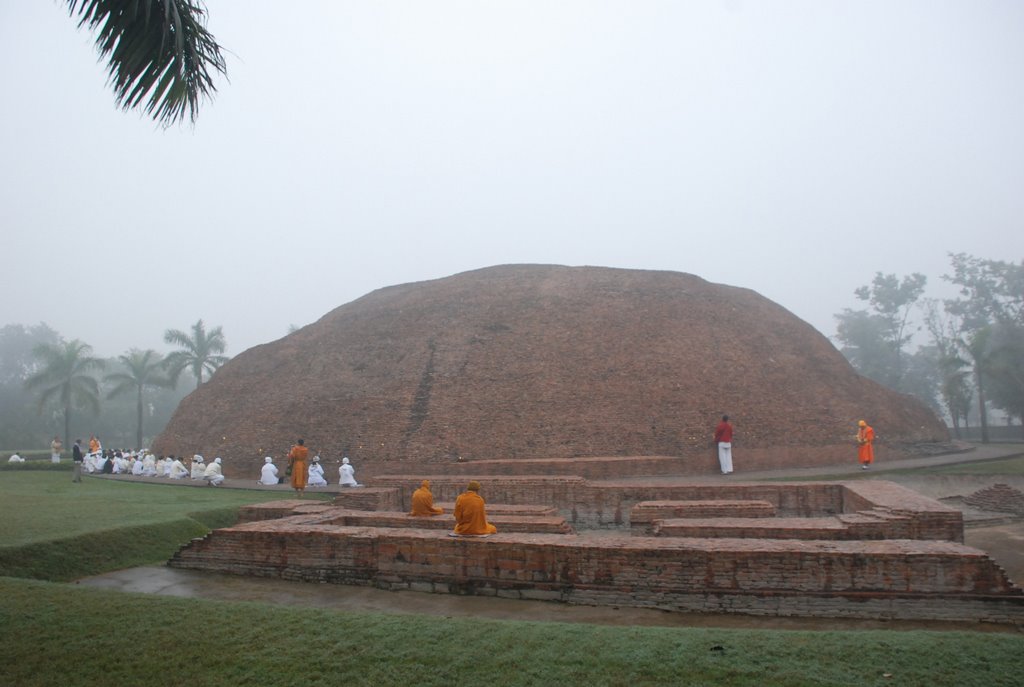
<point x="470" y="517"/>
<point x="423" y="501"/>
<point x="298" y="463"/>
<point x="865" y="451"/>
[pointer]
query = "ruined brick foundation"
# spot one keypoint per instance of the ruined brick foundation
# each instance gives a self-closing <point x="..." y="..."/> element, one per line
<point x="828" y="549"/>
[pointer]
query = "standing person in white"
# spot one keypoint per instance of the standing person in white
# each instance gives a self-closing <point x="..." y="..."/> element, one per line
<point x="723" y="437"/>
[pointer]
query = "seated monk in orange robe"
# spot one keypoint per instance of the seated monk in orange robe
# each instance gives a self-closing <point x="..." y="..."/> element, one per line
<point x="423" y="501"/>
<point x="470" y="517"/>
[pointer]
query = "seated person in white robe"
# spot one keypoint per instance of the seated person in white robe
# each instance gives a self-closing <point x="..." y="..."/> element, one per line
<point x="316" y="474"/>
<point x="164" y="468"/>
<point x="213" y="474"/>
<point x="198" y="466"/>
<point x="268" y="473"/>
<point x="15" y="458"/>
<point x="149" y="466"/>
<point x="178" y="470"/>
<point x="347" y="474"/>
<point x="137" y="467"/>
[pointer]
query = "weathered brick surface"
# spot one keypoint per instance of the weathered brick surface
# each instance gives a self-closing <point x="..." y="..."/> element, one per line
<point x="999" y="498"/>
<point x="540" y="361"/>
<point x="860" y="549"/>
<point x="504" y="523"/>
<point x="368" y="498"/>
<point x="733" y="575"/>
<point x="644" y="514"/>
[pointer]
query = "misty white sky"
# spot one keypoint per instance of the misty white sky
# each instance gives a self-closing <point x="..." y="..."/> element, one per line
<point x="794" y="148"/>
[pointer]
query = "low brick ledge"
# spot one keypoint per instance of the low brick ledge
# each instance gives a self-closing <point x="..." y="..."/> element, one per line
<point x="504" y="523"/>
<point x="631" y="565"/>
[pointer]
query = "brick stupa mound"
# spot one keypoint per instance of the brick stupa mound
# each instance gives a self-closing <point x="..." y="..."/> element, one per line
<point x="531" y="361"/>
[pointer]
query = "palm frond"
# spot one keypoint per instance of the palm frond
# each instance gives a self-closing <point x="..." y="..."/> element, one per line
<point x="160" y="49"/>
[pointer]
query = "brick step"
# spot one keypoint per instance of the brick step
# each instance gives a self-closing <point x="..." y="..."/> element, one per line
<point x="764" y="528"/>
<point x="508" y="509"/>
<point x="530" y="524"/>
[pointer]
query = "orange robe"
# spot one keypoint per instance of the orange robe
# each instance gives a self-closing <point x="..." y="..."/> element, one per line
<point x="865" y="452"/>
<point x="297" y="461"/>
<point x="470" y="517"/>
<point x="423" y="501"/>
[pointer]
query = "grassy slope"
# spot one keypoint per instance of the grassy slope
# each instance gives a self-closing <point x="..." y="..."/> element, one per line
<point x="56" y="634"/>
<point x="56" y="530"/>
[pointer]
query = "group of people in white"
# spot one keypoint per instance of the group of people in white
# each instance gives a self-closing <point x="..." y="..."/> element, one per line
<point x="145" y="464"/>
<point x="269" y="473"/>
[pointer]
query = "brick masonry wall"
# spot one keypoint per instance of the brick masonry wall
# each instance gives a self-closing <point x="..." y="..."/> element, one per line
<point x="731" y="575"/>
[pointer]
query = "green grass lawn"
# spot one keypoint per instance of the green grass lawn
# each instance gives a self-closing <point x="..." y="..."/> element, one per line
<point x="54" y="529"/>
<point x="61" y="635"/>
<point x="64" y="634"/>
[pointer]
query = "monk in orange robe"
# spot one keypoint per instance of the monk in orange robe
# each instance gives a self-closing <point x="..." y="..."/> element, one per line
<point x="423" y="501"/>
<point x="865" y="451"/>
<point x="470" y="517"/>
<point x="298" y="464"/>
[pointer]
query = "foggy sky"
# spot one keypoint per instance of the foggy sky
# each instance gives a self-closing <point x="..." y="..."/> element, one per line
<point x="794" y="148"/>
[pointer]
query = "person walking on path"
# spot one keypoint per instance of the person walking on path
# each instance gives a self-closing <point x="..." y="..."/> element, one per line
<point x="865" y="450"/>
<point x="298" y="464"/>
<point x="723" y="438"/>
<point x="77" y="458"/>
<point x="56" y="446"/>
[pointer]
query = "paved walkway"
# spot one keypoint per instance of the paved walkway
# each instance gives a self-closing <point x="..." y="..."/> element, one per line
<point x="976" y="453"/>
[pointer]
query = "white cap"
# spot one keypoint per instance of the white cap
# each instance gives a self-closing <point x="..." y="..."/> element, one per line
<point x="268" y="459"/>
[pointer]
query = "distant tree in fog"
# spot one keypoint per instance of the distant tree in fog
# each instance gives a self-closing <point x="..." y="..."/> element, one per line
<point x="198" y="352"/>
<point x="64" y="376"/>
<point x="142" y="370"/>
<point x="990" y="330"/>
<point x="874" y="339"/>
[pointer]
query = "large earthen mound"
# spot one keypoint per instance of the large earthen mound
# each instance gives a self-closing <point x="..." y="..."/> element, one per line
<point x="530" y="361"/>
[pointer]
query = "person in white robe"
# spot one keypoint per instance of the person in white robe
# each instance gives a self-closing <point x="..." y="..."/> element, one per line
<point x="316" y="474"/>
<point x="137" y="466"/>
<point x="149" y="466"/>
<point x="93" y="461"/>
<point x="164" y="468"/>
<point x="15" y="458"/>
<point x="213" y="474"/>
<point x="178" y="469"/>
<point x="268" y="473"/>
<point x="198" y="466"/>
<point x="347" y="474"/>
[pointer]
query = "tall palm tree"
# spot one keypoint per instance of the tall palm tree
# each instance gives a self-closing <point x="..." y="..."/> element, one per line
<point x="198" y="352"/>
<point x="155" y="48"/>
<point x="142" y="369"/>
<point x="64" y="376"/>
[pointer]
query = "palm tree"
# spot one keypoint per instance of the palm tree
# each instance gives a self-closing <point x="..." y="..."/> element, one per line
<point x="155" y="48"/>
<point x="198" y="352"/>
<point x="65" y="376"/>
<point x="142" y="369"/>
